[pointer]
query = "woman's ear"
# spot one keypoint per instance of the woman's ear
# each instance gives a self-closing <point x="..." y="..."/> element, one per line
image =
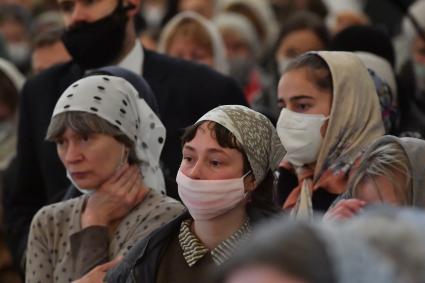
<point x="249" y="183"/>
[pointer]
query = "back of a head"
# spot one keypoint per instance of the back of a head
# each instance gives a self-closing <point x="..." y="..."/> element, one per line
<point x="304" y="20"/>
<point x="397" y="235"/>
<point x="289" y="247"/>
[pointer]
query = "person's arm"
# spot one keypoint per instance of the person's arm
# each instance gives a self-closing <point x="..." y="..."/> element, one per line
<point x="104" y="209"/>
<point x="39" y="265"/>
<point x="89" y="248"/>
<point x="97" y="274"/>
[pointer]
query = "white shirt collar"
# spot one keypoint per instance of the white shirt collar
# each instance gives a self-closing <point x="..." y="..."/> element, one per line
<point x="134" y="59"/>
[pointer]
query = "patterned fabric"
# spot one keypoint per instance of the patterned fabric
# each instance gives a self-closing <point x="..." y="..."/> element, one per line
<point x="117" y="101"/>
<point x="58" y="250"/>
<point x="194" y="250"/>
<point x="254" y="132"/>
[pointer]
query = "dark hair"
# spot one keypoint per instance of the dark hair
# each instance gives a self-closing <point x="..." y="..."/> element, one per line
<point x="365" y="38"/>
<point x="85" y="124"/>
<point x="9" y="95"/>
<point x="303" y="21"/>
<point x="293" y="248"/>
<point x="263" y="198"/>
<point x="318" y="70"/>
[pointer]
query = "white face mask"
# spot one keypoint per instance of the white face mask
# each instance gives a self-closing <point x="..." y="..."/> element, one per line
<point x="207" y="199"/>
<point x="300" y="135"/>
<point x="88" y="191"/>
<point x="19" y="52"/>
<point x="6" y="129"/>
<point x="153" y="15"/>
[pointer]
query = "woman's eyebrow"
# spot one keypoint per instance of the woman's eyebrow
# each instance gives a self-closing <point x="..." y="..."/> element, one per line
<point x="299" y="97"/>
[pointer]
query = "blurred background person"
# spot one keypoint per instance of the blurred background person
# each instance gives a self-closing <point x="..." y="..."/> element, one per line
<point x="397" y="235"/>
<point x="412" y="73"/>
<point x="192" y="37"/>
<point x="345" y="13"/>
<point x="242" y="53"/>
<point x="48" y="50"/>
<point x="15" y="26"/>
<point x="285" y="251"/>
<point x="11" y="81"/>
<point x="374" y="47"/>
<point x="283" y="9"/>
<point x="261" y="15"/>
<point x="302" y="32"/>
<point x="205" y="8"/>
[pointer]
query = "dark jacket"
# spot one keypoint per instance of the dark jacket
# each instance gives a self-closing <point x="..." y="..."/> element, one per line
<point x="142" y="261"/>
<point x="184" y="91"/>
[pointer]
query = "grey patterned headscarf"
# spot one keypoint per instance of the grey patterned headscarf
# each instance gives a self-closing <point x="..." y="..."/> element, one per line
<point x="117" y="101"/>
<point x="254" y="132"/>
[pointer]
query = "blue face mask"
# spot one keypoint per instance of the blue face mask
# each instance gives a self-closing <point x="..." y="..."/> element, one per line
<point x="89" y="191"/>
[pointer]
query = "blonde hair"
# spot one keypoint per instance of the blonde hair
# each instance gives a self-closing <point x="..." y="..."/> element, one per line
<point x="193" y="30"/>
<point x="384" y="160"/>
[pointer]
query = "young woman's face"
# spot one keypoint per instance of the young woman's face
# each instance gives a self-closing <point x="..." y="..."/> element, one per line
<point x="91" y="159"/>
<point x="298" y="93"/>
<point x="205" y="159"/>
<point x="185" y="48"/>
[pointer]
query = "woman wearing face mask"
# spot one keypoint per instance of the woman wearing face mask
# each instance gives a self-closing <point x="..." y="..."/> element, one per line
<point x="109" y="141"/>
<point x="225" y="180"/>
<point x="331" y="112"/>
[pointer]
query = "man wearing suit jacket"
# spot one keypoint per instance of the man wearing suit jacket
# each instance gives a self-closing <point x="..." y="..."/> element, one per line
<point x="100" y="33"/>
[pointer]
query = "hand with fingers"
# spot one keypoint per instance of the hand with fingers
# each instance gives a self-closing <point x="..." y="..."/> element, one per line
<point x="115" y="198"/>
<point x="344" y="209"/>
<point x="97" y="274"/>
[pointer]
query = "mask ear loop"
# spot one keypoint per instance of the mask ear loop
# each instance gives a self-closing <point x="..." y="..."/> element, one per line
<point x="247" y="193"/>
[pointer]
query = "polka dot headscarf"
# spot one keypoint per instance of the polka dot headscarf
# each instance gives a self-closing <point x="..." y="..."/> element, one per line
<point x="117" y="101"/>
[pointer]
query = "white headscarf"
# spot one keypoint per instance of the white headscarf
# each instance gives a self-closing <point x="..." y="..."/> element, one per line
<point x="219" y="56"/>
<point x="241" y="25"/>
<point x="12" y="73"/>
<point x="381" y="67"/>
<point x="264" y="13"/>
<point x="117" y="101"/>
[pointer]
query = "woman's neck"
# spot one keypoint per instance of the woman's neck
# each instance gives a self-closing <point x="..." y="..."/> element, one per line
<point x="214" y="231"/>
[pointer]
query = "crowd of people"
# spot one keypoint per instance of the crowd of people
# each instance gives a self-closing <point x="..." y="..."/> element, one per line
<point x="225" y="141"/>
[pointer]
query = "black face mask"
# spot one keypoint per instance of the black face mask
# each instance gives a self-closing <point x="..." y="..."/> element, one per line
<point x="97" y="44"/>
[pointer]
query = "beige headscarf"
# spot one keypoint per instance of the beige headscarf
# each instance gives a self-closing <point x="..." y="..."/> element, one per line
<point x="355" y="119"/>
<point x="254" y="132"/>
<point x="354" y="122"/>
